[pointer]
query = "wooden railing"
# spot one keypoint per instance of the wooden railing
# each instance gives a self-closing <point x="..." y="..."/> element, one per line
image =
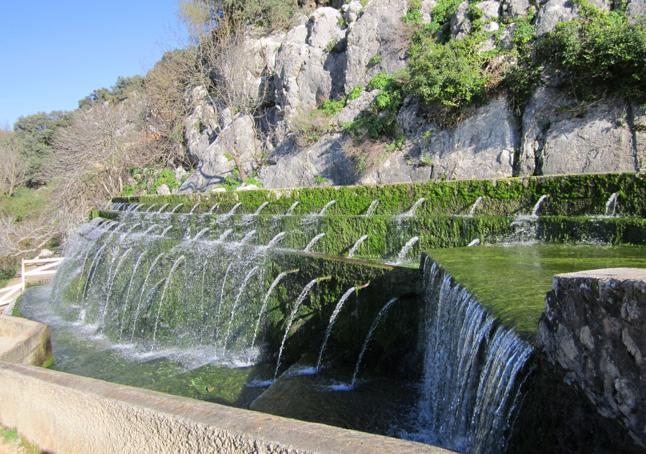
<point x="39" y="269"/>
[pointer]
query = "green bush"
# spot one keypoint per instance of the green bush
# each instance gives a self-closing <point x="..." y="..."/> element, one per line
<point x="167" y="177"/>
<point x="448" y="75"/>
<point x="597" y="54"/>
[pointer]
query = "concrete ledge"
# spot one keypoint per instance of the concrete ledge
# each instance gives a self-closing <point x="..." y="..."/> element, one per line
<point x="66" y="413"/>
<point x="24" y="341"/>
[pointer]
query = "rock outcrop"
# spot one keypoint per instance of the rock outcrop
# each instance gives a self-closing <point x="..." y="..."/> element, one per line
<point x="336" y="50"/>
<point x="561" y="136"/>
<point x="594" y="328"/>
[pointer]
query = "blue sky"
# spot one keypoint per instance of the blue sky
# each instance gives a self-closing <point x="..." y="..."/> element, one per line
<point x="55" y="52"/>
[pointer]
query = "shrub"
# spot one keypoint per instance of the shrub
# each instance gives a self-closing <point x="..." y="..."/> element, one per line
<point x="450" y="75"/>
<point x="600" y="53"/>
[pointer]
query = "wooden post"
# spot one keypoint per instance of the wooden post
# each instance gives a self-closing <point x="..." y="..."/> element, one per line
<point x="22" y="274"/>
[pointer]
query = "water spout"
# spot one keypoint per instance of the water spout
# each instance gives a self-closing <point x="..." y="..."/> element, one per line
<point x="371" y="209"/>
<point x="291" y="209"/>
<point x="243" y="287"/>
<point x="225" y="234"/>
<point x="248" y="237"/>
<point x="260" y="208"/>
<point x="474" y="207"/>
<point x="366" y="342"/>
<point x="357" y="245"/>
<point x="141" y="296"/>
<point x="335" y="315"/>
<point x="149" y="209"/>
<point x="213" y="208"/>
<point x="166" y="230"/>
<point x="265" y="301"/>
<point x="475" y="242"/>
<point x="111" y="279"/>
<point x="163" y="207"/>
<point x="125" y="302"/>
<point x="313" y="242"/>
<point x="201" y="233"/>
<point x="194" y="208"/>
<point x="179" y="260"/>
<point x="406" y="249"/>
<point x="275" y="240"/>
<point x="326" y="207"/>
<point x="537" y="208"/>
<point x="412" y="210"/>
<point x="292" y="316"/>
<point x="611" y="204"/>
<point x="177" y="207"/>
<point x="151" y="228"/>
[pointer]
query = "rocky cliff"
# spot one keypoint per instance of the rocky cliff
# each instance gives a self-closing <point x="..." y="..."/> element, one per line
<point x="334" y="53"/>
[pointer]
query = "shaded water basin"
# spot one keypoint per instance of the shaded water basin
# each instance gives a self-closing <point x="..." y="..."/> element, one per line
<point x="375" y="405"/>
<point x="512" y="280"/>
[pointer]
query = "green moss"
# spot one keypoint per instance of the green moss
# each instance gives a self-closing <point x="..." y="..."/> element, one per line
<point x="512" y="281"/>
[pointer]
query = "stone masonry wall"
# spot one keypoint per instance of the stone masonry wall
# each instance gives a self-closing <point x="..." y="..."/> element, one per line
<point x="594" y="328"/>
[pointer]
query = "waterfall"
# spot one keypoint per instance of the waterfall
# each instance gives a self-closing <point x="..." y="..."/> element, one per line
<point x="163" y="207"/>
<point x="306" y="290"/>
<point x="611" y="204"/>
<point x="123" y="258"/>
<point x="473" y="370"/>
<point x="151" y="228"/>
<point x="313" y="242"/>
<point x="371" y="209"/>
<point x="537" y="208"/>
<point x="213" y="208"/>
<point x="127" y="299"/>
<point x="357" y="245"/>
<point x="149" y="209"/>
<point x="473" y="208"/>
<point x="406" y="249"/>
<point x="291" y="209"/>
<point x="366" y="342"/>
<point x="326" y="207"/>
<point x="141" y="296"/>
<point x="333" y="317"/>
<point x="225" y="234"/>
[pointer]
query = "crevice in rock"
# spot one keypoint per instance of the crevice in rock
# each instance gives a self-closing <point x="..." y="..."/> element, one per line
<point x="630" y="118"/>
<point x="540" y="147"/>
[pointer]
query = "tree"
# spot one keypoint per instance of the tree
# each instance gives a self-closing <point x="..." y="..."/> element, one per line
<point x="12" y="166"/>
<point x="34" y="135"/>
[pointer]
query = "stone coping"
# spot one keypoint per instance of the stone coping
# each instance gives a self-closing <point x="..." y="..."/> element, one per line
<point x="24" y="341"/>
<point x="61" y="412"/>
<point x="619" y="274"/>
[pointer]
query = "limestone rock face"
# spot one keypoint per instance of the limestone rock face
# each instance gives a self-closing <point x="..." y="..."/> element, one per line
<point x="552" y="12"/>
<point x="481" y="146"/>
<point x="515" y="8"/>
<point x="460" y="23"/>
<point x="560" y="137"/>
<point x="379" y="31"/>
<point x="326" y="158"/>
<point x="355" y="107"/>
<point x="636" y="10"/>
<point x="235" y="146"/>
<point x="352" y="11"/>
<point x="307" y="70"/>
<point x="200" y="125"/>
<point x="594" y="328"/>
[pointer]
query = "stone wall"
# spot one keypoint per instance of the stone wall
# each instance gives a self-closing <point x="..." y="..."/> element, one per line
<point x="66" y="413"/>
<point x="24" y="341"/>
<point x="594" y="329"/>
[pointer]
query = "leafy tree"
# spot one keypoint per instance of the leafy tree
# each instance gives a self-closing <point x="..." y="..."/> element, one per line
<point x="34" y="137"/>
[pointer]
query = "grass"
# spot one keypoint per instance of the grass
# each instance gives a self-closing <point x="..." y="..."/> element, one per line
<point x="512" y="281"/>
<point x="11" y="437"/>
<point x="26" y="203"/>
